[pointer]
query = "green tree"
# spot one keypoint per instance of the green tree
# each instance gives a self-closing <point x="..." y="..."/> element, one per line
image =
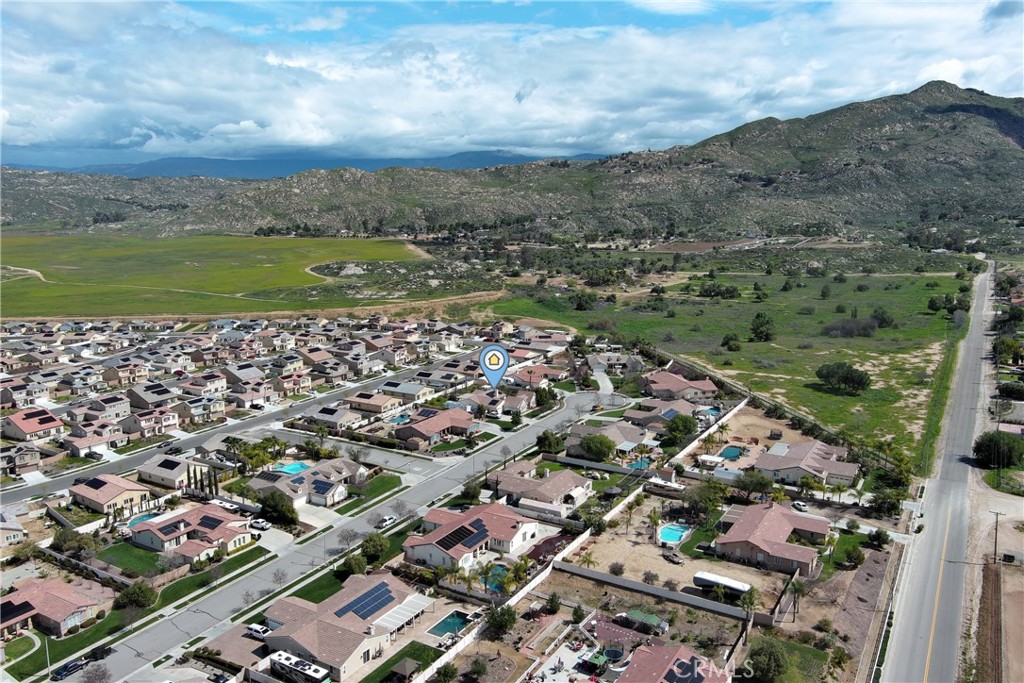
<point x="797" y="589"/>
<point x="355" y="563"/>
<point x="751" y="482"/>
<point x="826" y="292"/>
<point x="597" y="447"/>
<point x="447" y="673"/>
<point x="278" y="508"/>
<point x="139" y="594"/>
<point x="936" y="304"/>
<point x="554" y="603"/>
<point x="549" y="442"/>
<point x="888" y="501"/>
<point x="768" y="661"/>
<point x="578" y="614"/>
<point x="478" y="669"/>
<point x="502" y="619"/>
<point x="762" y="329"/>
<point x="517" y="419"/>
<point x="587" y="559"/>
<point x="999" y="449"/>
<point x="374" y="546"/>
<point x="680" y="427"/>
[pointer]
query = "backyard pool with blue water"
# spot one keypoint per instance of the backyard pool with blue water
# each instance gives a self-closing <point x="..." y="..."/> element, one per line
<point x="142" y="518"/>
<point x="399" y="419"/>
<point x="292" y="467"/>
<point x="673" y="533"/>
<point x="494" y="580"/>
<point x="453" y="623"/>
<point x="641" y="464"/>
<point x="731" y="453"/>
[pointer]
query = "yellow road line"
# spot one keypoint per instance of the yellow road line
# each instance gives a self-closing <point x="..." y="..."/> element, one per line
<point x="938" y="592"/>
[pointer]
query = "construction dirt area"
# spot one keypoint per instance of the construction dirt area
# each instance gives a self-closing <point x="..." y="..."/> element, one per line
<point x="751" y="423"/>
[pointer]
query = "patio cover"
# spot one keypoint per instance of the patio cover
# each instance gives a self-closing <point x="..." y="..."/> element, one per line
<point x="410" y="607"/>
<point x="406" y="668"/>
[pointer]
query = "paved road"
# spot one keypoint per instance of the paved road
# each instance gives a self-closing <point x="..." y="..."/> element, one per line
<point x="925" y="641"/>
<point x="138" y="651"/>
<point x="263" y="420"/>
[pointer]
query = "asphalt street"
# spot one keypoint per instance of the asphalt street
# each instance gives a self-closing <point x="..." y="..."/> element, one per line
<point x="924" y="645"/>
<point x="139" y="650"/>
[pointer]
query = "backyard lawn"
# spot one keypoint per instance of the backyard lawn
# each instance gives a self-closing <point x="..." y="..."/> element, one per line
<point x="805" y="662"/>
<point x="424" y="654"/>
<point x="376" y="488"/>
<point x="844" y="543"/>
<point x="128" y="556"/>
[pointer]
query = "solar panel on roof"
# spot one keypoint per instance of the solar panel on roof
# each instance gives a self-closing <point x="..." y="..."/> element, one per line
<point x="298" y="481"/>
<point x="427" y="412"/>
<point x="95" y="484"/>
<point x="475" y="538"/>
<point x="168" y="529"/>
<point x="321" y="487"/>
<point x="13" y="611"/>
<point x="369" y="602"/>
<point x="168" y="464"/>
<point x="478" y="524"/>
<point x="208" y="522"/>
<point x="455" y="537"/>
<point x="269" y="476"/>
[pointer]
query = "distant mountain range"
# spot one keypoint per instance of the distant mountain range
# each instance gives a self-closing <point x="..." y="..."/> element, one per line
<point x="281" y="167"/>
<point x="940" y="157"/>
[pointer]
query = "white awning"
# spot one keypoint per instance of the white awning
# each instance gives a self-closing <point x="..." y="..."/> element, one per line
<point x="410" y="607"/>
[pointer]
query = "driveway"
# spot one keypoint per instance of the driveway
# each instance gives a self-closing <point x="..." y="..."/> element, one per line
<point x="317" y="516"/>
<point x="273" y="539"/>
<point x="604" y="383"/>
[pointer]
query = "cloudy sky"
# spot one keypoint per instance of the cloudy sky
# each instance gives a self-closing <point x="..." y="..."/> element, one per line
<point x="96" y="82"/>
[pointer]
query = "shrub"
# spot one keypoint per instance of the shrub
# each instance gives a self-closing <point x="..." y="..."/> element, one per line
<point x="139" y="594"/>
<point x="578" y="614"/>
<point x="805" y="310"/>
<point x="374" y="546"/>
<point x="862" y="288"/>
<point x="840" y="308"/>
<point x="554" y="603"/>
<point x="502" y="619"/>
<point x="651" y="577"/>
<point x="355" y="563"/>
<point x="855" y="556"/>
<point x="851" y="327"/>
<point x="824" y="625"/>
<point x="73" y="630"/>
<point x="879" y="538"/>
<point x="617" y="568"/>
<point x="852" y="526"/>
<point x="101" y="615"/>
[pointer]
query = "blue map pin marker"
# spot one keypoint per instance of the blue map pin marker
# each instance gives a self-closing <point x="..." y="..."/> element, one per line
<point x="494" y="362"/>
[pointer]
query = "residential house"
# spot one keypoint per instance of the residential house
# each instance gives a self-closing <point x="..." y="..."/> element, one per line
<point x="286" y="364"/>
<point x="672" y="663"/>
<point x="292" y="383"/>
<point x="626" y="437"/>
<point x="53" y="605"/>
<point x="362" y="364"/>
<point x="12" y="532"/>
<point x="522" y="402"/>
<point x="429" y="426"/>
<point x="199" y="409"/>
<point x="16" y="458"/>
<point x="108" y="493"/>
<point x="536" y="376"/>
<point x="492" y="402"/>
<point x="82" y="381"/>
<point x="112" y="408"/>
<point x="557" y="493"/>
<point x="245" y="394"/>
<point x="126" y="374"/>
<point x="169" y="472"/>
<point x="16" y="392"/>
<point x="325" y="484"/>
<point x="615" y="363"/>
<point x="759" y="535"/>
<point x="408" y="392"/>
<point x="335" y="418"/>
<point x="349" y="629"/>
<point x="669" y="385"/>
<point x="313" y="355"/>
<point x="32" y="424"/>
<point x="87" y="437"/>
<point x="440" y="379"/>
<point x="655" y="413"/>
<point x="205" y="384"/>
<point x="242" y="372"/>
<point x="221" y="445"/>
<point x="194" y="534"/>
<point x="148" y="423"/>
<point x="789" y="464"/>
<point x="375" y="404"/>
<point x="460" y="539"/>
<point x="331" y="371"/>
<point x="151" y="396"/>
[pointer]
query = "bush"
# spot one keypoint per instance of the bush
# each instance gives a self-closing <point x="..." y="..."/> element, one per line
<point x="824" y="625"/>
<point x="879" y="538"/>
<point x="554" y="603"/>
<point x="139" y="594"/>
<point x="502" y="619"/>
<point x="768" y="661"/>
<point x="374" y="546"/>
<point x="478" y="669"/>
<point x="651" y="577"/>
<point x="999" y="449"/>
<point x="852" y="526"/>
<point x="355" y="564"/>
<point x="617" y="568"/>
<point x="1012" y="390"/>
<point x="851" y="327"/>
<point x="855" y="556"/>
<point x="101" y="615"/>
<point x="73" y="630"/>
<point x="578" y="614"/>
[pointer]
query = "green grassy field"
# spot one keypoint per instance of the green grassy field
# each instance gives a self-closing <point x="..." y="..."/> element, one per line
<point x="902" y="361"/>
<point x="101" y="275"/>
<point x="128" y="556"/>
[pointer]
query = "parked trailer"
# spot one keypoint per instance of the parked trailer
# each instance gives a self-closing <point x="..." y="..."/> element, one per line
<point x="707" y="582"/>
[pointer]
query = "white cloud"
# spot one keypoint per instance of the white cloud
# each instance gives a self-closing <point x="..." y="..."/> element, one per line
<point x="673" y="6"/>
<point x="188" y="83"/>
<point x="335" y="19"/>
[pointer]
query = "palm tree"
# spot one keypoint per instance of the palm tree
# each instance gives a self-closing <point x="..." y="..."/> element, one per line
<point x="444" y="571"/>
<point x="806" y="484"/>
<point x="485" y="574"/>
<point x="839" y="490"/>
<point x="707" y="443"/>
<point x="718" y="593"/>
<point x="469" y="577"/>
<point x="749" y="601"/>
<point x="587" y="559"/>
<point x="797" y="589"/>
<point x="723" y="431"/>
<point x="521" y="568"/>
<point x="858" y="494"/>
<point x="322" y="432"/>
<point x="654" y="518"/>
<point x="631" y="506"/>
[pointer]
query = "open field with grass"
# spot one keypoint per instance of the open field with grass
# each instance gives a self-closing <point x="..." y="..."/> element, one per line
<point x="102" y="275"/>
<point x="904" y="362"/>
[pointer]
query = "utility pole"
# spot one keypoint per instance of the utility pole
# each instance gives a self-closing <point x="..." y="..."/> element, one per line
<point x="995" y="544"/>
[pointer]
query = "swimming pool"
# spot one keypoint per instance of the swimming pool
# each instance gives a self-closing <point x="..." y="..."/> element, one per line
<point x="142" y="518"/>
<point x="641" y="464"/>
<point x="399" y="419"/>
<point x="453" y="623"/>
<point x="494" y="580"/>
<point x="292" y="467"/>
<point x="731" y="453"/>
<point x="673" y="533"/>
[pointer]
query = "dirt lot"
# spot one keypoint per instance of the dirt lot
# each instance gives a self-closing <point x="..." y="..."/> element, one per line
<point x="1013" y="619"/>
<point x="635" y="549"/>
<point x="689" y="621"/>
<point x="503" y="662"/>
<point x="751" y="423"/>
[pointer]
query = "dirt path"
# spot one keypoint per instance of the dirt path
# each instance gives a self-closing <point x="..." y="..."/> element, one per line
<point x="543" y="324"/>
<point x="418" y="251"/>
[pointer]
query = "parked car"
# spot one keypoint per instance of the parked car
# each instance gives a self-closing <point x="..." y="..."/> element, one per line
<point x="100" y="652"/>
<point x="800" y="505"/>
<point x="80" y="480"/>
<point x="219" y="678"/>
<point x="257" y="406"/>
<point x="257" y="631"/>
<point x="260" y="524"/>
<point x="66" y="669"/>
<point x="385" y="522"/>
<point x="175" y="450"/>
